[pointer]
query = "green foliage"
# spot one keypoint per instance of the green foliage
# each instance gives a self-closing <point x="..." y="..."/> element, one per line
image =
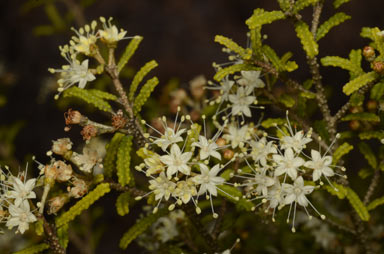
<point x="62" y="234"/>
<point x="34" y="249"/>
<point x="338" y="3"/>
<point x="88" y="97"/>
<point x="129" y="51"/>
<point x="83" y="204"/>
<point x="261" y="17"/>
<point x="140" y="76"/>
<point x="320" y="127"/>
<point x="340" y="191"/>
<point x="39" y="227"/>
<point x="355" y="56"/>
<point x="342" y="150"/>
<point x="287" y="100"/>
<point x="333" y="21"/>
<point x="357" y="99"/>
<point x="371" y="134"/>
<point x="102" y="95"/>
<point x="309" y="44"/>
<point x="362" y="116"/>
<point x="364" y="173"/>
<point x="109" y="161"/>
<point x="343" y="63"/>
<point x="271" y="122"/>
<point x="123" y="161"/>
<point x="222" y="73"/>
<point x="366" y="150"/>
<point x="255" y="37"/>
<point x="234" y="195"/>
<point x="375" y="203"/>
<point x="227" y="174"/>
<point x="358" y="205"/>
<point x="301" y="4"/>
<point x="144" y="94"/>
<point x="140" y="227"/>
<point x="366" y="32"/>
<point x="122" y="203"/>
<point x="377" y="91"/>
<point x="284" y="4"/>
<point x="233" y="46"/>
<point x="377" y="39"/>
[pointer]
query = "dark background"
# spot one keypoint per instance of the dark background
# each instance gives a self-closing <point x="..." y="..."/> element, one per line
<point x="177" y="33"/>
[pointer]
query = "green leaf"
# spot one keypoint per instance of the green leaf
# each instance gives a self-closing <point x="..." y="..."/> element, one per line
<point x="193" y="136"/>
<point x="355" y="57"/>
<point x="321" y="128"/>
<point x="356" y="99"/>
<point x="62" y="234"/>
<point x="129" y="51"/>
<point x="301" y="4"/>
<point x="359" y="82"/>
<point x="362" y="116"/>
<point x="34" y="249"/>
<point x="377" y="91"/>
<point x="358" y="205"/>
<point x="140" y="227"/>
<point x="222" y="73"/>
<point x="102" y="95"/>
<point x="366" y="32"/>
<point x="272" y="122"/>
<point x="372" y="134"/>
<point x="122" y="203"/>
<point x="140" y="76"/>
<point x="83" y="204"/>
<point x="88" y="97"/>
<point x="364" y="173"/>
<point x="378" y="40"/>
<point x="123" y="161"/>
<point x="375" y="203"/>
<point x="233" y="46"/>
<point x="342" y="150"/>
<point x="366" y="150"/>
<point x="144" y="94"/>
<point x="54" y="16"/>
<point x="338" y="3"/>
<point x="255" y="37"/>
<point x="309" y="44"/>
<point x="333" y="21"/>
<point x="284" y="4"/>
<point x="109" y="161"/>
<point x="234" y="195"/>
<point x="287" y="100"/>
<point x="39" y="227"/>
<point x="340" y="191"/>
<point x="343" y="63"/>
<point x="261" y="17"/>
<point x="272" y="57"/>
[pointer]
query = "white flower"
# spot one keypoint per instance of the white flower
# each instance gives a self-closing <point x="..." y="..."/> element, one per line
<point x="20" y="216"/>
<point x="296" y="192"/>
<point x="110" y="34"/>
<point x="261" y="149"/>
<point x="263" y="182"/>
<point x="320" y="165"/>
<point x="207" y="148"/>
<point x="169" y="137"/>
<point x="93" y="153"/>
<point x="275" y="195"/>
<point x="162" y="187"/>
<point x="251" y="79"/>
<point x="208" y="179"/>
<point x="296" y="141"/>
<point x="287" y="164"/>
<point x="237" y="136"/>
<point x="176" y="161"/>
<point x="241" y="102"/>
<point x="86" y="38"/>
<point x="21" y="190"/>
<point x="225" y="88"/>
<point x="154" y="164"/>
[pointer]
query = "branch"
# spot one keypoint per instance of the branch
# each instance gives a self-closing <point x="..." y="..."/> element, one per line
<point x="52" y="238"/>
<point x="372" y="186"/>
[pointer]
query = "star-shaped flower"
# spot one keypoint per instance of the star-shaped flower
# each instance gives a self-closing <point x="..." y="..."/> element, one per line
<point x="288" y="164"/>
<point x="208" y="179"/>
<point x="20" y="217"/>
<point x="320" y="165"/>
<point x="176" y="161"/>
<point x="207" y="148"/>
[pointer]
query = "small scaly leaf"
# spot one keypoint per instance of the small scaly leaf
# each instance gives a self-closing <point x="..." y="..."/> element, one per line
<point x="301" y="4"/>
<point x="358" y="205"/>
<point x="366" y="150"/>
<point x="362" y="116"/>
<point x="140" y="76"/>
<point x="371" y="134"/>
<point x="261" y="17"/>
<point x="102" y="95"/>
<point x="375" y="203"/>
<point x="333" y="21"/>
<point x="83" y="204"/>
<point x="272" y="122"/>
<point x="109" y="161"/>
<point x="222" y="73"/>
<point x="342" y="150"/>
<point x="122" y="203"/>
<point x="62" y="234"/>
<point x="36" y="249"/>
<point x="338" y="3"/>
<point x="129" y="51"/>
<point x="343" y="63"/>
<point x="271" y="55"/>
<point x="233" y="46"/>
<point x="377" y="91"/>
<point x="123" y="161"/>
<point x="340" y="191"/>
<point x="140" y="227"/>
<point x="309" y="44"/>
<point x="144" y="94"/>
<point x="88" y="97"/>
<point x="359" y="82"/>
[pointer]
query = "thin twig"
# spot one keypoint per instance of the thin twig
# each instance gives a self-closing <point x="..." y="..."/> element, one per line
<point x="52" y="238"/>
<point x="372" y="186"/>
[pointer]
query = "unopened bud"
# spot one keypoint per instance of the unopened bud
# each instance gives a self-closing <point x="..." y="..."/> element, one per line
<point x="378" y="67"/>
<point x="354" y="125"/>
<point x="221" y="142"/>
<point x="88" y="132"/>
<point x="228" y="154"/>
<point x="63" y="171"/>
<point x="79" y="189"/>
<point x="61" y="146"/>
<point x="118" y="120"/>
<point x="56" y="203"/>
<point x="72" y="117"/>
<point x="369" y="53"/>
<point x="372" y="105"/>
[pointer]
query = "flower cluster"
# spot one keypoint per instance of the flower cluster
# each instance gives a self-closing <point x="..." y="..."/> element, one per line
<point x="15" y="195"/>
<point x="180" y="171"/>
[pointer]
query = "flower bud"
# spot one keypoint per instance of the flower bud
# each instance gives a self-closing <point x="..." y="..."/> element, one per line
<point x="369" y="53"/>
<point x="354" y="125"/>
<point x="63" y="171"/>
<point x="50" y="173"/>
<point x="118" y="120"/>
<point x="221" y="142"/>
<point x="228" y="154"/>
<point x="61" y="146"/>
<point x="89" y="131"/>
<point x="372" y="105"/>
<point x="56" y="203"/>
<point x="72" y="117"/>
<point x="79" y="189"/>
<point x="378" y="67"/>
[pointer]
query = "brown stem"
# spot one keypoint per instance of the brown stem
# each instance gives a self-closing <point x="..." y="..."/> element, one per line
<point x="52" y="238"/>
<point x="134" y="191"/>
<point x="372" y="186"/>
